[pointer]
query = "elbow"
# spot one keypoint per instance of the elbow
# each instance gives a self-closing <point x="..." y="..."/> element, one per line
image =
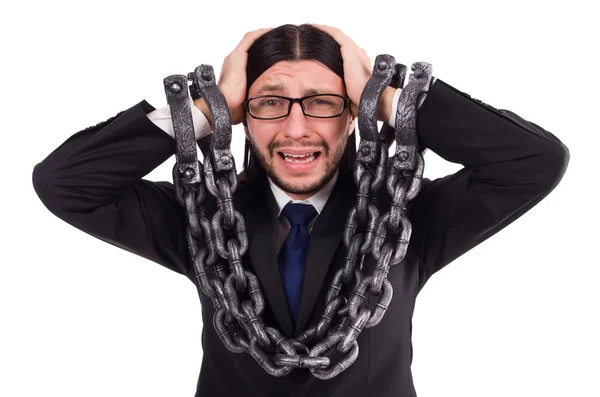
<point x="38" y="180"/>
<point x="44" y="187"/>
<point x="555" y="163"/>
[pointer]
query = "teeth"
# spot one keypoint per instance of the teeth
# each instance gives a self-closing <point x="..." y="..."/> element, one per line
<point x="299" y="159"/>
<point x="295" y="155"/>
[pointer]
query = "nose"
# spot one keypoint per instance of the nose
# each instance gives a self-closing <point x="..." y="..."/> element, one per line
<point x="295" y="124"/>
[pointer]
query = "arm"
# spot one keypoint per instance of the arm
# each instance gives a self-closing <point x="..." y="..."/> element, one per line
<point x="93" y="181"/>
<point x="510" y="165"/>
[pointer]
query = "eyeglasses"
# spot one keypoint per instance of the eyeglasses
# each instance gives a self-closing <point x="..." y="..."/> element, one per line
<point x="270" y="107"/>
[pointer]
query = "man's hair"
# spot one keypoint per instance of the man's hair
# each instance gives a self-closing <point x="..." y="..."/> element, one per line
<point x="293" y="43"/>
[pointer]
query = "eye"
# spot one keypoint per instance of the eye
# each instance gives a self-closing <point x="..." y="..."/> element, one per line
<point x="269" y="102"/>
<point x="321" y="102"/>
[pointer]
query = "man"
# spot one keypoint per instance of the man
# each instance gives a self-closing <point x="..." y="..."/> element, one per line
<point x="94" y="182"/>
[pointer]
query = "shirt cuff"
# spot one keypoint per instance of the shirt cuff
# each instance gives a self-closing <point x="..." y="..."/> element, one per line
<point x="162" y="118"/>
<point x="392" y="120"/>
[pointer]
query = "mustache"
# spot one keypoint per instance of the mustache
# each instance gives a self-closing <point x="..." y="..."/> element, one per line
<point x="290" y="144"/>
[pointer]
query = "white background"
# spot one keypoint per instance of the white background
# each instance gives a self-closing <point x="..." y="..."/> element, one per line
<point x="515" y="316"/>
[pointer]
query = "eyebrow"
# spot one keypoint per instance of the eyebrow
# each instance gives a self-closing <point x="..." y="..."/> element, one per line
<point x="278" y="87"/>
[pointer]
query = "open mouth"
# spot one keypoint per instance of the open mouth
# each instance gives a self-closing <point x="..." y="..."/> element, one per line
<point x="299" y="158"/>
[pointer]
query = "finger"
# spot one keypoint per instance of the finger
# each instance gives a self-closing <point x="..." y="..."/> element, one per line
<point x="340" y="37"/>
<point x="249" y="39"/>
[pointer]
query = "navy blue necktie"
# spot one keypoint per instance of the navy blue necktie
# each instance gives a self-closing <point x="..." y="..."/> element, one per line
<point x="292" y="257"/>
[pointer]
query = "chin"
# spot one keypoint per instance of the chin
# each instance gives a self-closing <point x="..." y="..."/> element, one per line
<point x="300" y="184"/>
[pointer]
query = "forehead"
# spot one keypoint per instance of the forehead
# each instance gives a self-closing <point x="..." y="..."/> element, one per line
<point x="298" y="78"/>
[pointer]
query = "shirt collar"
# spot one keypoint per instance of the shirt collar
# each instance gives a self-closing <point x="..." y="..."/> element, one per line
<point x="317" y="200"/>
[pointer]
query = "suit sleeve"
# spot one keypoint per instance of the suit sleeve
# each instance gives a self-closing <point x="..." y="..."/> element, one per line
<point x="510" y="165"/>
<point x="94" y="181"/>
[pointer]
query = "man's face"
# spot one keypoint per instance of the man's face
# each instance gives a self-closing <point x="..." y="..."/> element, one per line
<point x="278" y="143"/>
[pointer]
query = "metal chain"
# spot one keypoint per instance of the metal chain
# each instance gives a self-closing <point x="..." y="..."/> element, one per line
<point x="217" y="245"/>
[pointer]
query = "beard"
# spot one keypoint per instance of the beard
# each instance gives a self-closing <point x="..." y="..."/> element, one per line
<point x="331" y="165"/>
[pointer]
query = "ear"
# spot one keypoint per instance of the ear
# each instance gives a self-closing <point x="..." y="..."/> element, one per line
<point x="246" y="129"/>
<point x="351" y="125"/>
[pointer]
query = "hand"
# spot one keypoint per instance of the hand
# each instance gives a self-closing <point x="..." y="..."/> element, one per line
<point x="232" y="80"/>
<point x="357" y="71"/>
<point x="357" y="65"/>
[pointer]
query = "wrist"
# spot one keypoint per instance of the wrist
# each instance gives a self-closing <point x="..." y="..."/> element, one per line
<point x="201" y="104"/>
<point x="384" y="107"/>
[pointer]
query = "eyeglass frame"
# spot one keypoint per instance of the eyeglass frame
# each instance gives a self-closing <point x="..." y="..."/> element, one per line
<point x="291" y="102"/>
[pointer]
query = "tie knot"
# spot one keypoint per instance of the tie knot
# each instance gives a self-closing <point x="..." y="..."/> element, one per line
<point x="299" y="214"/>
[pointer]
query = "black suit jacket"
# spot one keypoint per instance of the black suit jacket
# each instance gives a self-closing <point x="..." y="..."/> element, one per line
<point x="94" y="181"/>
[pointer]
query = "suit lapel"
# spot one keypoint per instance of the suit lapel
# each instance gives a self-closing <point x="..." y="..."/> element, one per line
<point x="263" y="230"/>
<point x="324" y="240"/>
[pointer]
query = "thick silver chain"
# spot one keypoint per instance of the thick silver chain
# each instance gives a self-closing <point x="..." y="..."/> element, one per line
<point x="217" y="245"/>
